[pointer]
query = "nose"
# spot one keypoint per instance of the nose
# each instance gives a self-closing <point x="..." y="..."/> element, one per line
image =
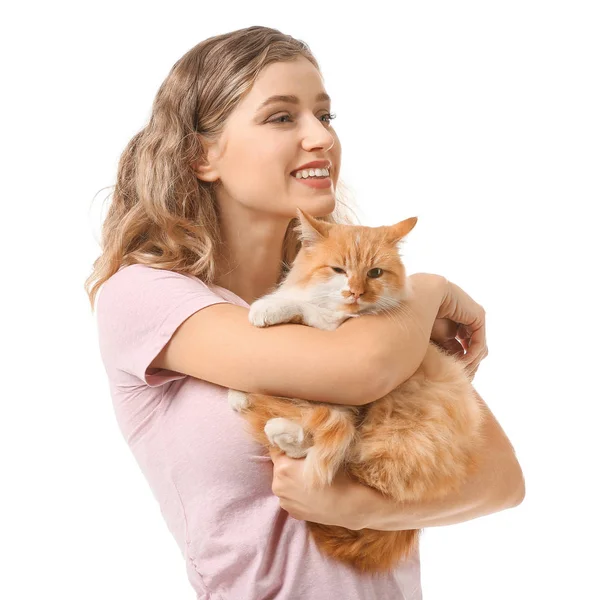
<point x="356" y="292"/>
<point x="315" y="135"/>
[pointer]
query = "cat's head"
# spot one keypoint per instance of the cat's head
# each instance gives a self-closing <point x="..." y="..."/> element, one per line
<point x="352" y="268"/>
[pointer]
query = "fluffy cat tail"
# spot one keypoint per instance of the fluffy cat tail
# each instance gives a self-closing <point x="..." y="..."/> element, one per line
<point x="367" y="550"/>
<point x="333" y="431"/>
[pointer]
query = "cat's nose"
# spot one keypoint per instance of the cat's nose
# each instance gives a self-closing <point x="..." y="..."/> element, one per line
<point x="350" y="293"/>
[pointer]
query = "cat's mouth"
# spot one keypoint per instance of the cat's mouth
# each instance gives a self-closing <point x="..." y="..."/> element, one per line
<point x="351" y="301"/>
<point x="354" y="306"/>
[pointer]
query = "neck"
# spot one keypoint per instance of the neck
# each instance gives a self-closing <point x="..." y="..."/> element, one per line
<point x="249" y="260"/>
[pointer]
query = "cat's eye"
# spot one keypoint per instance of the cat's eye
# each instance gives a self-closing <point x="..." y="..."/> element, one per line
<point x="374" y="273"/>
<point x="338" y="269"/>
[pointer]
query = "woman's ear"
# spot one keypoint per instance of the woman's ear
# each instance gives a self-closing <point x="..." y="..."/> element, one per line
<point x="205" y="167"/>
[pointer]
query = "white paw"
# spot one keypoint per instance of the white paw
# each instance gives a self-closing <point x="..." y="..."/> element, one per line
<point x="271" y="311"/>
<point x="263" y="313"/>
<point x="238" y="400"/>
<point x="286" y="434"/>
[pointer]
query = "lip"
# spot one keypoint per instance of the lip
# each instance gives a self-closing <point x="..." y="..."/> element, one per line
<point x="315" y="164"/>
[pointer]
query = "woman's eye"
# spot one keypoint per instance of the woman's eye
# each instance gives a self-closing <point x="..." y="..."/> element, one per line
<point x="374" y="273"/>
<point x="328" y="118"/>
<point x="278" y="119"/>
<point x="338" y="269"/>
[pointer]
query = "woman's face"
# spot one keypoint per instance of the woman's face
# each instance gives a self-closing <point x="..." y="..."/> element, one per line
<point x="265" y="140"/>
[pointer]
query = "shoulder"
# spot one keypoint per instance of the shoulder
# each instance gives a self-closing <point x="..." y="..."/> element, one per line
<point x="138" y="299"/>
<point x="132" y="276"/>
<point x="135" y="284"/>
<point x="138" y="310"/>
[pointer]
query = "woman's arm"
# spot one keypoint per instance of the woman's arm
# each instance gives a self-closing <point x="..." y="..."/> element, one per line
<point x="350" y="365"/>
<point x="497" y="485"/>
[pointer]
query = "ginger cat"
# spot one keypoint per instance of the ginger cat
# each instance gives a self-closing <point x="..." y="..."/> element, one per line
<point x="417" y="443"/>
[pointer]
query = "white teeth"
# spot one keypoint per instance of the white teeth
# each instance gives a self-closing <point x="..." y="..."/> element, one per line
<point x="305" y="173"/>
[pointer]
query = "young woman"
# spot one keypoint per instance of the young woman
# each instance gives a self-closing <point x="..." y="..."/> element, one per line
<point x="199" y="227"/>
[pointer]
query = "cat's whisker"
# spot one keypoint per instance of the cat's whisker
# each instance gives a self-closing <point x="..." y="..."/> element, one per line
<point x="395" y="313"/>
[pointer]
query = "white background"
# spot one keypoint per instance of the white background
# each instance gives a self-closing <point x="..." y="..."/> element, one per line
<point x="482" y="118"/>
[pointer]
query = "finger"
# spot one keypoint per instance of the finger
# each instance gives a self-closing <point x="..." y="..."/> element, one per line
<point x="453" y="347"/>
<point x="476" y="345"/>
<point x="285" y="467"/>
<point x="464" y="344"/>
<point x="464" y="331"/>
<point x="275" y="453"/>
<point x="443" y="329"/>
<point x="474" y="365"/>
<point x="463" y="335"/>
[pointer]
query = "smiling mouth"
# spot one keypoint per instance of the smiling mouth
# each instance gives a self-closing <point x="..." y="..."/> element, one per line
<point x="313" y="172"/>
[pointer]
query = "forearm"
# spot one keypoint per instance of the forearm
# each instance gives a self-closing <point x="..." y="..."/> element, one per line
<point x="396" y="344"/>
<point x="497" y="485"/>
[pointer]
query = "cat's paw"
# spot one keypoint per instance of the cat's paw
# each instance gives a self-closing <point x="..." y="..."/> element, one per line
<point x="238" y="400"/>
<point x="289" y="436"/>
<point x="270" y="311"/>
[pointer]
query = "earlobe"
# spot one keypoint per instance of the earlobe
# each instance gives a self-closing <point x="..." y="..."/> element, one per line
<point x="204" y="171"/>
<point x="204" y="167"/>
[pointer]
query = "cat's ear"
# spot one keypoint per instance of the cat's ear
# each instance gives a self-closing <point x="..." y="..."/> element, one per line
<point x="310" y="229"/>
<point x="399" y="230"/>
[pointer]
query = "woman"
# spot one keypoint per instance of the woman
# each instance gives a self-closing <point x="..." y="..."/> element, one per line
<point x="199" y="227"/>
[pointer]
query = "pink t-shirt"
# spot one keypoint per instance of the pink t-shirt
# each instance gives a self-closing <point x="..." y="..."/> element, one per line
<point x="211" y="480"/>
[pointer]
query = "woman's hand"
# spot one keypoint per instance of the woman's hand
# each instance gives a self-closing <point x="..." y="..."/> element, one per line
<point x="444" y="334"/>
<point x="340" y="504"/>
<point x="454" y="339"/>
<point x="460" y="326"/>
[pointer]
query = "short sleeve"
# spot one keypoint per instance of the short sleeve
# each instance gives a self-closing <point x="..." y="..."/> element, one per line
<point x="138" y="310"/>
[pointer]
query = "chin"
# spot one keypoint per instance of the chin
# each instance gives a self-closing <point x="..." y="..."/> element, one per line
<point x="318" y="207"/>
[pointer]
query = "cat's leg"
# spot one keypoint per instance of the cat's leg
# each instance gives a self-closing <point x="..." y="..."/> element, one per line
<point x="332" y="430"/>
<point x="281" y="432"/>
<point x="274" y="420"/>
<point x="238" y="400"/>
<point x="272" y="310"/>
<point x="288" y="435"/>
<point x="321" y="432"/>
<point x="281" y="308"/>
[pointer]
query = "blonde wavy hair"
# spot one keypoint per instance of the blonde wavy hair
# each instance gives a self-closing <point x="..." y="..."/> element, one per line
<point x="161" y="214"/>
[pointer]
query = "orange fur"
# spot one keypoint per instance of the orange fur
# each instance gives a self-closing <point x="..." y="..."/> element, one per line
<point x="417" y="443"/>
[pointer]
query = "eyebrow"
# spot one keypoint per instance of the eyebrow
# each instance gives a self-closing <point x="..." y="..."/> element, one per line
<point x="291" y="99"/>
